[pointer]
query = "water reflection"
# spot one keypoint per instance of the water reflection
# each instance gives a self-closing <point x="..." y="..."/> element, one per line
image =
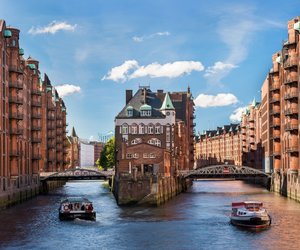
<point x="198" y="219"/>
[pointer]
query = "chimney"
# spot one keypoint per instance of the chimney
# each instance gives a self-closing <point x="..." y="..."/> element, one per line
<point x="160" y="94"/>
<point x="128" y="95"/>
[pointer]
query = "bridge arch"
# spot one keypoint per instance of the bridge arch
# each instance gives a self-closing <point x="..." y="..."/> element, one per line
<point x="224" y="171"/>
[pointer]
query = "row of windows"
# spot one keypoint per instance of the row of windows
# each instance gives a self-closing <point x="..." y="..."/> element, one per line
<point x="141" y="129"/>
<point x="137" y="155"/>
<point x="152" y="141"/>
<point x="143" y="112"/>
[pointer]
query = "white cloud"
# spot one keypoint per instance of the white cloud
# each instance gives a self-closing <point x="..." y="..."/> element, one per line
<point x="170" y="70"/>
<point x="222" y="99"/>
<point x="236" y="116"/>
<point x="67" y="89"/>
<point x="120" y="73"/>
<point x="52" y="28"/>
<point x="140" y="39"/>
<point x="131" y="69"/>
<point x="219" y="68"/>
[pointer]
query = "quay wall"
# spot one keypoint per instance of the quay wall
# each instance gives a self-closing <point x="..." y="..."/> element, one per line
<point x="148" y="190"/>
<point x="286" y="184"/>
<point x="16" y="195"/>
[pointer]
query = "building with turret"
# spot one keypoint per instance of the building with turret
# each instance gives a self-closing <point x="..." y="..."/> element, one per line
<point x="154" y="139"/>
<point x="32" y="124"/>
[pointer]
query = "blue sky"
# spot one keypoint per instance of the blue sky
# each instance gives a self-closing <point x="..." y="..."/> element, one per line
<point x="94" y="50"/>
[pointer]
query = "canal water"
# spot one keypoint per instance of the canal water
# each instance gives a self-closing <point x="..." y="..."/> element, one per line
<point x="197" y="219"/>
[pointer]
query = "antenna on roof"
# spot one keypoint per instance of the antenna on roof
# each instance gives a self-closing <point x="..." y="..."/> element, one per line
<point x="144" y="86"/>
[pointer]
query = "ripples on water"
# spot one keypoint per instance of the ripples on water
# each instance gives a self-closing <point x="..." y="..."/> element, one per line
<point x="197" y="219"/>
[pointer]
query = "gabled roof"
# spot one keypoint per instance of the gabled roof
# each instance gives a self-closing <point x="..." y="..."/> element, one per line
<point x="167" y="104"/>
<point x="73" y="134"/>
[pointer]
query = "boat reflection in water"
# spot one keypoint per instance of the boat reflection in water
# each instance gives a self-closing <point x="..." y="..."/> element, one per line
<point x="250" y="214"/>
<point x="76" y="207"/>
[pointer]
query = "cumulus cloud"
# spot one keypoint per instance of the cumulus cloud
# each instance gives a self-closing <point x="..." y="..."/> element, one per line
<point x="52" y="28"/>
<point x="219" y="68"/>
<point x="222" y="99"/>
<point x="140" y="39"/>
<point x="236" y="115"/>
<point x="131" y="69"/>
<point x="120" y="73"/>
<point x="67" y="89"/>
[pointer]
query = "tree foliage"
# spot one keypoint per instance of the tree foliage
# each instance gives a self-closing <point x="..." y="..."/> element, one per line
<point x="107" y="158"/>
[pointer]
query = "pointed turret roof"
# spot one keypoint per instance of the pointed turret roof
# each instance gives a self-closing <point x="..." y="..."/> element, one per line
<point x="167" y="104"/>
<point x="73" y="134"/>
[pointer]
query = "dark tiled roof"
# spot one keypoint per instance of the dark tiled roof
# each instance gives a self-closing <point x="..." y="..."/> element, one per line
<point x="138" y="100"/>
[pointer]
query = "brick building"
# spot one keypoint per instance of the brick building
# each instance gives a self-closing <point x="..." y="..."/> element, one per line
<point x="282" y="95"/>
<point x="252" y="151"/>
<point x="219" y="146"/>
<point x="153" y="137"/>
<point x="26" y="124"/>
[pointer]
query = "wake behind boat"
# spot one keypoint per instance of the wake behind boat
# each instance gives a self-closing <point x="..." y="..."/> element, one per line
<point x="250" y="214"/>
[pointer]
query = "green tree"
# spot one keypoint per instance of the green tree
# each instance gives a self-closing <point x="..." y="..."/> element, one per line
<point x="107" y="158"/>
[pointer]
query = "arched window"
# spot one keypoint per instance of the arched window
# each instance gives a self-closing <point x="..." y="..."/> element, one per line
<point x="150" y="128"/>
<point x="124" y="129"/>
<point x="155" y="141"/>
<point x="134" y="128"/>
<point x="157" y="128"/>
<point x="141" y="128"/>
<point x="136" y="141"/>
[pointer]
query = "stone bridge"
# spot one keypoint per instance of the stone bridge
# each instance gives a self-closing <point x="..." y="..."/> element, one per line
<point x="77" y="174"/>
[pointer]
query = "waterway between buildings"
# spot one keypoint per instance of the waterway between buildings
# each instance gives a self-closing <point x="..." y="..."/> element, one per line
<point x="197" y="219"/>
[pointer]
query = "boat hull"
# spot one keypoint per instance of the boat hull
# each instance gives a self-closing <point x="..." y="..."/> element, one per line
<point x="72" y="216"/>
<point x="252" y="222"/>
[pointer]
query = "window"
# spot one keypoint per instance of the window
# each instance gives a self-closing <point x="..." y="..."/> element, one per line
<point x="136" y="141"/>
<point x="125" y="129"/>
<point x="129" y="156"/>
<point x="150" y="129"/>
<point x="146" y="113"/>
<point x="152" y="155"/>
<point x="129" y="112"/>
<point x="157" y="129"/>
<point x="136" y="155"/>
<point x="145" y="155"/>
<point x="134" y="129"/>
<point x="141" y="129"/>
<point x="155" y="141"/>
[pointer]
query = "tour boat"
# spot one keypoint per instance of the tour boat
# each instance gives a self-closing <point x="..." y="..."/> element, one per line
<point x="250" y="214"/>
<point x="76" y="207"/>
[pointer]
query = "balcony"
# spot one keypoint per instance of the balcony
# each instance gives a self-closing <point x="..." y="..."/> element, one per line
<point x="16" y="115"/>
<point x="15" y="69"/>
<point x="17" y="85"/>
<point x="51" y="107"/>
<point x="275" y="137"/>
<point x="275" y="99"/>
<point x="291" y="95"/>
<point x="276" y="153"/>
<point x="16" y="100"/>
<point x="274" y="124"/>
<point x="36" y="156"/>
<point x="292" y="149"/>
<point x="36" y="104"/>
<point x="36" y="127"/>
<point x="51" y="118"/>
<point x="36" y="140"/>
<point x="274" y="87"/>
<point x="290" y="62"/>
<point x="14" y="153"/>
<point x="291" y="111"/>
<point x="290" y="80"/>
<point x="36" y="115"/>
<point x="51" y="145"/>
<point x="290" y="127"/>
<point x="36" y="92"/>
<point x="275" y="112"/>
<point x="51" y="136"/>
<point x="16" y="131"/>
<point x="58" y="125"/>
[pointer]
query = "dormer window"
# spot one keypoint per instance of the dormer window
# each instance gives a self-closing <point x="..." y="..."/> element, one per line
<point x="146" y="110"/>
<point x="129" y="111"/>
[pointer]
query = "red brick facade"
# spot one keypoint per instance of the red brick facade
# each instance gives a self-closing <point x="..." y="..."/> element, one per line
<point x="32" y="118"/>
